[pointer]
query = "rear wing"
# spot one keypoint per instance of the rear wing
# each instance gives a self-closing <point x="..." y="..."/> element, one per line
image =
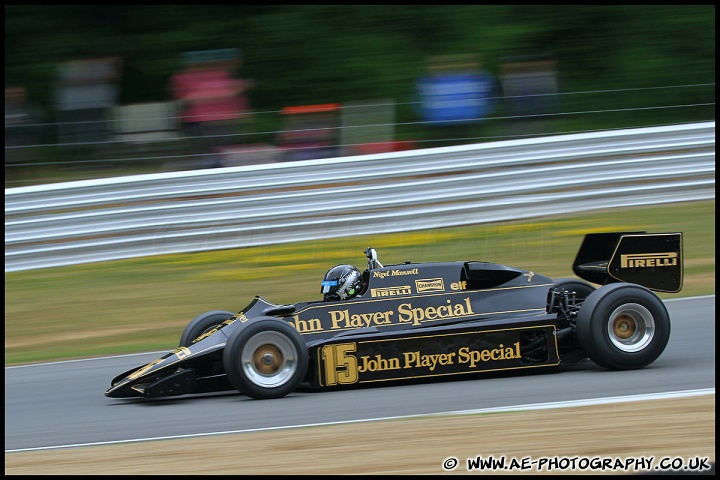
<point x="654" y="260"/>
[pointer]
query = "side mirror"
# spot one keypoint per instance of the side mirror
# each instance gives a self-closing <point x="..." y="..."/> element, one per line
<point x="372" y="256"/>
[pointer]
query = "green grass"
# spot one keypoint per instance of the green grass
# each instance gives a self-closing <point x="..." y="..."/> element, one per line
<point x="143" y="304"/>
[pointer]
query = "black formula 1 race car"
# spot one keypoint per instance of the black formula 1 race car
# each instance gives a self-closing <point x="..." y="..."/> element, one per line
<point x="428" y="320"/>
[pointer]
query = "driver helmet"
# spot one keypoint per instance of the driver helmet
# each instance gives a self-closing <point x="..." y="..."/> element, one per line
<point x="341" y="282"/>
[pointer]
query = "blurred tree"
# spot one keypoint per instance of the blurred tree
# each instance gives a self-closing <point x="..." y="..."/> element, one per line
<point x="333" y="53"/>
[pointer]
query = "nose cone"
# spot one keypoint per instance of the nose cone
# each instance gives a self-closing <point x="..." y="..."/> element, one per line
<point x="125" y="389"/>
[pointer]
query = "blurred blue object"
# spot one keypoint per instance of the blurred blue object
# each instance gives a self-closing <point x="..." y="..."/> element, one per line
<point x="455" y="92"/>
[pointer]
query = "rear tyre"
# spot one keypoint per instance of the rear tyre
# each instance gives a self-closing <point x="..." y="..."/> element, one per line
<point x="203" y="323"/>
<point x="623" y="326"/>
<point x="265" y="359"/>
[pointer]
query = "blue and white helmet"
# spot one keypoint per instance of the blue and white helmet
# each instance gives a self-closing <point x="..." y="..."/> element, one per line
<point x="341" y="282"/>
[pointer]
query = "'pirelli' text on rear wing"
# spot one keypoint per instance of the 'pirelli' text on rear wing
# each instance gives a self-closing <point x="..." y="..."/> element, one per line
<point x="654" y="260"/>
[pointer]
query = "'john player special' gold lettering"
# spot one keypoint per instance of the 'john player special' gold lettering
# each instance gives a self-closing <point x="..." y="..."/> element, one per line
<point x="421" y="356"/>
<point x="403" y="313"/>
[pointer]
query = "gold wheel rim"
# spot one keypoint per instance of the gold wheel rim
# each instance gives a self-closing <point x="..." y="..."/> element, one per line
<point x="267" y="359"/>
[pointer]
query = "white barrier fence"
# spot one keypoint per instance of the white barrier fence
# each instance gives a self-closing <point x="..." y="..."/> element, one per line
<point x="89" y="221"/>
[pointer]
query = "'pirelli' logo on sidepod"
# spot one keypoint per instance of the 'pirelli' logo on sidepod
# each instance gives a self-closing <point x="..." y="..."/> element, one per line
<point x="430" y="285"/>
<point x="391" y="291"/>
<point x="639" y="260"/>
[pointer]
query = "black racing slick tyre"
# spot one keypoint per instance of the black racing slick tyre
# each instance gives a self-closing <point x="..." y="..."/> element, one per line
<point x="203" y="323"/>
<point x="266" y="358"/>
<point x="623" y="326"/>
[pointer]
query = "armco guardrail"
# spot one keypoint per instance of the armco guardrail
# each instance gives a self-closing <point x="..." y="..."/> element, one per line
<point x="89" y="221"/>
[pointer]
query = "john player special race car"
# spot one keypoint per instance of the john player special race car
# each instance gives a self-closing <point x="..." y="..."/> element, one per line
<point x="429" y="320"/>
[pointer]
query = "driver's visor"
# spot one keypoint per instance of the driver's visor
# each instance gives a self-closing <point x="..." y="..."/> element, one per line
<point x="326" y="284"/>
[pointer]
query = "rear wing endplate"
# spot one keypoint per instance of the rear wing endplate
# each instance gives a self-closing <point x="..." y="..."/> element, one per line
<point x="654" y="260"/>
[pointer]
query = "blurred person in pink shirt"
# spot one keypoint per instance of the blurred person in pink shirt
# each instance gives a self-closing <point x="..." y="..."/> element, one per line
<point x="213" y="102"/>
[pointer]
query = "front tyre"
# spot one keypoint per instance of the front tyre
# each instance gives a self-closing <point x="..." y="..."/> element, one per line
<point x="265" y="359"/>
<point x="202" y="324"/>
<point x="623" y="326"/>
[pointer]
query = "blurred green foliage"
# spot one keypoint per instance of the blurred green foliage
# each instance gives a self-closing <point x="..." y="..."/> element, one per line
<point x="338" y="53"/>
